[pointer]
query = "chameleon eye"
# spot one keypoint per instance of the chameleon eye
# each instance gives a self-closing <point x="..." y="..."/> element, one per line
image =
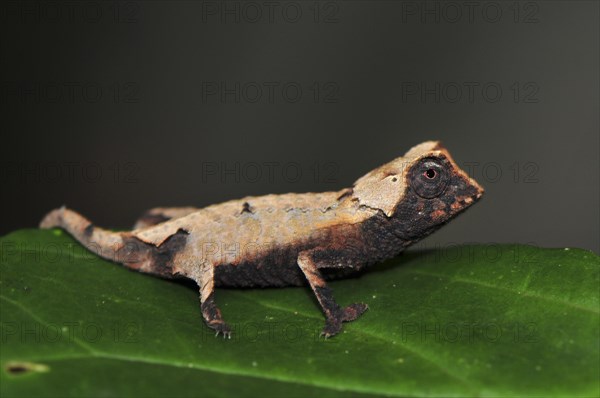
<point x="429" y="178"/>
<point x="430" y="173"/>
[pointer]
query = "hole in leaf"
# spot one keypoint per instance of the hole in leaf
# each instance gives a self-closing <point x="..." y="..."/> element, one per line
<point x="21" y="368"/>
<point x="17" y="369"/>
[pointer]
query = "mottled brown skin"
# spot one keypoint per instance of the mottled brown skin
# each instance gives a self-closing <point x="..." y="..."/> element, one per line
<point x="291" y="239"/>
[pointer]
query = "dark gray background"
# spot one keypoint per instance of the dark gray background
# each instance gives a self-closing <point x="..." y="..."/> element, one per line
<point x="108" y="108"/>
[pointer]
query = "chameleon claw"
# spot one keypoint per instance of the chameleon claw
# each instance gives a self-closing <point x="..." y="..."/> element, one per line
<point x="223" y="329"/>
<point x="332" y="327"/>
<point x="226" y="335"/>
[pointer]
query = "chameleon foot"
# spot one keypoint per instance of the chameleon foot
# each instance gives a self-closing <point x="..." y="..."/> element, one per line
<point x="333" y="325"/>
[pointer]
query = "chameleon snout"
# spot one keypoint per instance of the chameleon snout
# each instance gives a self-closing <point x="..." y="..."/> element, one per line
<point x="479" y="191"/>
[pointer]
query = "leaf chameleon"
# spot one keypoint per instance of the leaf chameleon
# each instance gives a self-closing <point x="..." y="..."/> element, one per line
<point x="290" y="239"/>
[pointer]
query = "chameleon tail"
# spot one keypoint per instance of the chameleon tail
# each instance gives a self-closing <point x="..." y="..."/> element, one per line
<point x="105" y="243"/>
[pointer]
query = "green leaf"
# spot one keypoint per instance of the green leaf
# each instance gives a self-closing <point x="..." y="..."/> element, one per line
<point x="496" y="321"/>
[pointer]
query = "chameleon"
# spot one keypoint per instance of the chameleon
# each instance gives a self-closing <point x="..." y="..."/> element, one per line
<point x="293" y="239"/>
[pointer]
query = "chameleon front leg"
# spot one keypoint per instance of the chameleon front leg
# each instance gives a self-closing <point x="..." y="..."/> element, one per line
<point x="210" y="312"/>
<point x="334" y="314"/>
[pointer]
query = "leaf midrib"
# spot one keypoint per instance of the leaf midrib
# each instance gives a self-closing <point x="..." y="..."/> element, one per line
<point x="519" y="293"/>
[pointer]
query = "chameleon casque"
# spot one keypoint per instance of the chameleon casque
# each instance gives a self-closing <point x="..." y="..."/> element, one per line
<point x="290" y="239"/>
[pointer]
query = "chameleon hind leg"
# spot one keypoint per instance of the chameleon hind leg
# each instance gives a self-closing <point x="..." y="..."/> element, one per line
<point x="210" y="312"/>
<point x="334" y="314"/>
<point x="162" y="214"/>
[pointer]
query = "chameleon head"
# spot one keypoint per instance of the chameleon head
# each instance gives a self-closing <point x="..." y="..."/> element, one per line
<point x="425" y="188"/>
<point x="439" y="184"/>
